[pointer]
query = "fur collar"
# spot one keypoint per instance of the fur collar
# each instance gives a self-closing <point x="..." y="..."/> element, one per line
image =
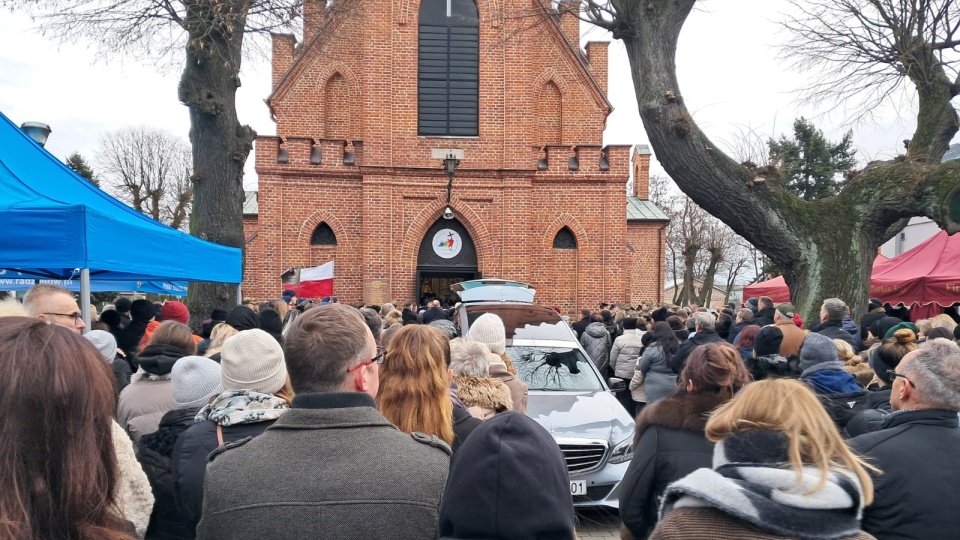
<point x="681" y="411"/>
<point x="485" y="392"/>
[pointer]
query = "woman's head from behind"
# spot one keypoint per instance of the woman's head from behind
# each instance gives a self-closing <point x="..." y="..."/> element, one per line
<point x="748" y="335"/>
<point x="790" y="408"/>
<point x="57" y="461"/>
<point x="891" y="351"/>
<point x="175" y="334"/>
<point x="414" y="389"/>
<point x="714" y="368"/>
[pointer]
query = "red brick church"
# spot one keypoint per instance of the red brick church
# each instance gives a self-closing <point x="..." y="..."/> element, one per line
<point x="368" y="109"/>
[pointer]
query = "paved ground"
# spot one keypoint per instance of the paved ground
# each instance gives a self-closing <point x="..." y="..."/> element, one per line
<point x="598" y="523"/>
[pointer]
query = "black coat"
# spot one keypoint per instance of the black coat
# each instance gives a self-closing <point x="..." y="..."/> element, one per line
<point x="189" y="463"/>
<point x="121" y="372"/>
<point x="128" y="337"/>
<point x="580" y="326"/>
<point x="871" y="418"/>
<point x="764" y="316"/>
<point x="679" y="358"/>
<point x="669" y="444"/>
<point x="735" y="330"/>
<point x="918" y="494"/>
<point x="834" y="330"/>
<point x="155" y="451"/>
<point x="463" y="425"/>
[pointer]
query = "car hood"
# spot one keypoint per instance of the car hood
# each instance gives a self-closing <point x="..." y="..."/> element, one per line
<point x="584" y="415"/>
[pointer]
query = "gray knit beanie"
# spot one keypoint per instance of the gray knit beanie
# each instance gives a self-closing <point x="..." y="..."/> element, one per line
<point x="817" y="349"/>
<point x="488" y="329"/>
<point x="194" y="379"/>
<point x="105" y="343"/>
<point x="253" y="360"/>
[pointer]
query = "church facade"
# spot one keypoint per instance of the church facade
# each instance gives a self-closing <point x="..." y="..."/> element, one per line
<point x="372" y="108"/>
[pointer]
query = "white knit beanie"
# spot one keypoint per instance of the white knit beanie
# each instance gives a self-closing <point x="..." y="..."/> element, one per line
<point x="194" y="379"/>
<point x="488" y="329"/>
<point x="253" y="360"/>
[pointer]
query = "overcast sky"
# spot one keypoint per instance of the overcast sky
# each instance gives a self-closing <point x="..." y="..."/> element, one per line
<point x="729" y="73"/>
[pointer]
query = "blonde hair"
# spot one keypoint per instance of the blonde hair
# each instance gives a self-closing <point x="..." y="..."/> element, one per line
<point x="789" y="407"/>
<point x="218" y="335"/>
<point x="414" y="390"/>
<point x="280" y="307"/>
<point x="844" y="351"/>
<point x="394" y="316"/>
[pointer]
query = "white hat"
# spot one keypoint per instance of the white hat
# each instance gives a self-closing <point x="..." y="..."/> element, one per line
<point x="253" y="360"/>
<point x="488" y="329"/>
<point x="105" y="343"/>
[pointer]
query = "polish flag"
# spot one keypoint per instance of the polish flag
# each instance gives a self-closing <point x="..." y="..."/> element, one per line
<point x="317" y="281"/>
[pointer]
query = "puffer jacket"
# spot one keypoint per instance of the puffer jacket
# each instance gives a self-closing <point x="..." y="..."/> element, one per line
<point x="484" y="396"/>
<point x="596" y="341"/>
<point x="625" y="354"/>
<point x="871" y="418"/>
<point x="155" y="452"/>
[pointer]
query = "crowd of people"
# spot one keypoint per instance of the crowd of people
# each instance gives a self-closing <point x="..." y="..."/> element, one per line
<point x="293" y="418"/>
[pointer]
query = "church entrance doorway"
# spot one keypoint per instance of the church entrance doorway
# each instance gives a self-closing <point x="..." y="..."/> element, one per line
<point x="447" y="255"/>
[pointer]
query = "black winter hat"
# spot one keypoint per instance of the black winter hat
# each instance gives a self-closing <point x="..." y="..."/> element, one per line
<point x="880" y="327"/>
<point x="659" y="314"/>
<point x="142" y="310"/>
<point x="874" y="304"/>
<point x="243" y="318"/>
<point x="218" y="314"/>
<point x="433" y="314"/>
<point x="122" y="304"/>
<point x="767" y="341"/>
<point x="271" y="323"/>
<point x="488" y="491"/>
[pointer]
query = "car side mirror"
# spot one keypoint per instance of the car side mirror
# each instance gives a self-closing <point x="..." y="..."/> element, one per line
<point x="616" y="385"/>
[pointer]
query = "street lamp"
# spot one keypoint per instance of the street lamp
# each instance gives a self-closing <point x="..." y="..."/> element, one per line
<point x="38" y="131"/>
<point x="450" y="166"/>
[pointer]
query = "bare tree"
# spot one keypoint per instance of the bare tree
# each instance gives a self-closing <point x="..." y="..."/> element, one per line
<point x="824" y="247"/>
<point x="149" y="169"/>
<point x="209" y="34"/>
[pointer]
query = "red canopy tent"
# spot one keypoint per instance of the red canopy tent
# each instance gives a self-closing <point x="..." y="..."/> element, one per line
<point x="925" y="278"/>
<point x="777" y="290"/>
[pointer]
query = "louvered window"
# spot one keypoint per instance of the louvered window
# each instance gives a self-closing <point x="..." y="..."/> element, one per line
<point x="448" y="75"/>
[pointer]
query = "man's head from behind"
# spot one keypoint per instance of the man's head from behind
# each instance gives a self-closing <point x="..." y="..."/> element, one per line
<point x="833" y="309"/>
<point x="53" y="304"/>
<point x="331" y="349"/>
<point x="765" y="302"/>
<point x="704" y="322"/>
<point x="744" y="316"/>
<point x="927" y="379"/>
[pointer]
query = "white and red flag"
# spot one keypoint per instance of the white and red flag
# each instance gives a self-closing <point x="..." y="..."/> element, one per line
<point x="317" y="281"/>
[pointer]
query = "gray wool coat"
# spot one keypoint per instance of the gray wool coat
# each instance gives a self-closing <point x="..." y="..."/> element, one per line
<point x="342" y="472"/>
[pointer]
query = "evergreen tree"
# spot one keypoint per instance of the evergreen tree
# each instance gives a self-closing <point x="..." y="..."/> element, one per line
<point x="813" y="167"/>
<point x="76" y="162"/>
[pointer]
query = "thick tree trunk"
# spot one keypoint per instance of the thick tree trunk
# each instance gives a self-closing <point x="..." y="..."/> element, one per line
<point x="220" y="143"/>
<point x="716" y="257"/>
<point x="826" y="247"/>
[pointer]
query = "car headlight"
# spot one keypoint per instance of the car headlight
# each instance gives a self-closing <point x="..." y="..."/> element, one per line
<point x="622" y="452"/>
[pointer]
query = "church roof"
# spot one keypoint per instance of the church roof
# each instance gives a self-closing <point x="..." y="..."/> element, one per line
<point x="643" y="210"/>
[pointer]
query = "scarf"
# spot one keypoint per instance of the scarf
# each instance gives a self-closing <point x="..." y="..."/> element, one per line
<point x="243" y="407"/>
<point x="752" y="481"/>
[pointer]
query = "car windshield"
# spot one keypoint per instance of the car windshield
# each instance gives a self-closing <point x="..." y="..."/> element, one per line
<point x="554" y="368"/>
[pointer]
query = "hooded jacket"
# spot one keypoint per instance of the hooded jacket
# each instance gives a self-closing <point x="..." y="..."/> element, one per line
<point x="669" y="443"/>
<point x="764" y="316"/>
<point x="484" y="396"/>
<point x="596" y="341"/>
<point x="659" y="380"/>
<point x="149" y="395"/>
<point x="243" y="318"/>
<point x="488" y="491"/>
<point x="679" y="358"/>
<point x="518" y="388"/>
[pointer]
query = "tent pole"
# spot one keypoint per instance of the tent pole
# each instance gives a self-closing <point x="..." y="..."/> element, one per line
<point x="239" y="294"/>
<point x="85" y="297"/>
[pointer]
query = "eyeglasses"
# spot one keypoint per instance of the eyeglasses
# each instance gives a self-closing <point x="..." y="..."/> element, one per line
<point x="75" y="316"/>
<point x="893" y="375"/>
<point x="378" y="359"/>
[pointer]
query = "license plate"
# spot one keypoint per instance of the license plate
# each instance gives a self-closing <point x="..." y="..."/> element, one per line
<point x="578" y="487"/>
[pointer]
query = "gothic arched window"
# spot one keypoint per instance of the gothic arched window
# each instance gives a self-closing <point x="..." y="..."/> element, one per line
<point x="565" y="239"/>
<point x="323" y="236"/>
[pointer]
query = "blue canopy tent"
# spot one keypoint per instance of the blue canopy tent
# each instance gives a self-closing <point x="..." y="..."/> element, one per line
<point x="16" y="282"/>
<point x="56" y="225"/>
